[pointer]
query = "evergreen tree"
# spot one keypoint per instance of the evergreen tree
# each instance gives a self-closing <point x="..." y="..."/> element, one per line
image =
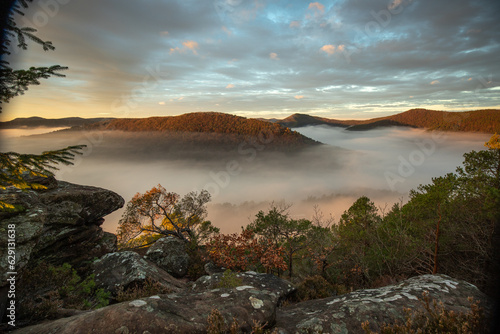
<point x="16" y="82"/>
<point x="15" y="167"/>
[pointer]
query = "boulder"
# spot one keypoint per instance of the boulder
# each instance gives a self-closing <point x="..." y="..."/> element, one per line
<point x="123" y="269"/>
<point x="170" y="254"/>
<point x="183" y="312"/>
<point x="346" y="313"/>
<point x="279" y="289"/>
<point x="58" y="224"/>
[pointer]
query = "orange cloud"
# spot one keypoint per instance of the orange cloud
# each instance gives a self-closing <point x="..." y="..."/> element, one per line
<point x="394" y="4"/>
<point x="317" y="6"/>
<point x="230" y="86"/>
<point x="227" y="31"/>
<point x="435" y="82"/>
<point x="331" y="49"/>
<point x="273" y="55"/>
<point x="295" y="24"/>
<point x="186" y="46"/>
<point x="298" y="97"/>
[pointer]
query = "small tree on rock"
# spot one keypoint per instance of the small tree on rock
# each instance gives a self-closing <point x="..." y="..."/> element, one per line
<point x="158" y="213"/>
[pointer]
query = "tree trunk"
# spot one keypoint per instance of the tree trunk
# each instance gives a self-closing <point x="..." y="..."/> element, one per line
<point x="435" y="270"/>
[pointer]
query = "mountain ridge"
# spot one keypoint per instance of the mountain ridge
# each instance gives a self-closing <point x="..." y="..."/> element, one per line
<point x="483" y="120"/>
<point x="40" y="122"/>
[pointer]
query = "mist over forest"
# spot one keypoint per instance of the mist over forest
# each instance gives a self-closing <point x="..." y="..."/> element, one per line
<point x="383" y="164"/>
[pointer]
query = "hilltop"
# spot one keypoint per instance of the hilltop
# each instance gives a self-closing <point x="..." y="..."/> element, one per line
<point x="486" y="121"/>
<point x="206" y="129"/>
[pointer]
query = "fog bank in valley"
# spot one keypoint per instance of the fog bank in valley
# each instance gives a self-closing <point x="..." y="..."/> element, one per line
<point x="382" y="164"/>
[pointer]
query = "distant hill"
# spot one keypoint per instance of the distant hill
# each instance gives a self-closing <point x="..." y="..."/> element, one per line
<point x="40" y="122"/>
<point x="486" y="121"/>
<point x="207" y="128"/>
<point x="299" y="120"/>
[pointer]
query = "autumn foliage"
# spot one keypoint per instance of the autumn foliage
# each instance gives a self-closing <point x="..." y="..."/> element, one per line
<point x="245" y="251"/>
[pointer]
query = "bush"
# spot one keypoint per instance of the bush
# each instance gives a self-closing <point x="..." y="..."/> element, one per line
<point x="44" y="289"/>
<point x="147" y="289"/>
<point x="436" y="319"/>
<point x="316" y="287"/>
<point x="229" y="280"/>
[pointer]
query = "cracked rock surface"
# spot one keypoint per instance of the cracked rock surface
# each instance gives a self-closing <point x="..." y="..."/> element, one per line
<point x="185" y="311"/>
<point x="59" y="224"/>
<point x="345" y="313"/>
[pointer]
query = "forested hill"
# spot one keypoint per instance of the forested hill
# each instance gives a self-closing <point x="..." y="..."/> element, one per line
<point x="486" y="121"/>
<point x="299" y="120"/>
<point x="210" y="126"/>
<point x="40" y="122"/>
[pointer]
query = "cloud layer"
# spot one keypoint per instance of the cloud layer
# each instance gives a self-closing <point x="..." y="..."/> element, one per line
<point x="352" y="59"/>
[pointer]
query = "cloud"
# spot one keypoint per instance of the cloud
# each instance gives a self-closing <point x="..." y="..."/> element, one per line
<point x="299" y="97"/>
<point x="161" y="103"/>
<point x="331" y="49"/>
<point x="394" y="4"/>
<point x="316" y="6"/>
<point x="227" y="31"/>
<point x="273" y="55"/>
<point x="186" y="46"/>
<point x="191" y="45"/>
<point x="111" y="53"/>
<point x="230" y="86"/>
<point x="435" y="82"/>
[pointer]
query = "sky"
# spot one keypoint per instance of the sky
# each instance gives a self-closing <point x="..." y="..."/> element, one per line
<point x="352" y="59"/>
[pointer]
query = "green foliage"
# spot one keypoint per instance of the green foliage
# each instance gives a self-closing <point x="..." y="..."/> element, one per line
<point x="449" y="221"/>
<point x="315" y="287"/>
<point x="229" y="280"/>
<point x="16" y="169"/>
<point x="44" y="289"/>
<point x="279" y="229"/>
<point x="356" y="253"/>
<point x="136" y="291"/>
<point x="435" y="318"/>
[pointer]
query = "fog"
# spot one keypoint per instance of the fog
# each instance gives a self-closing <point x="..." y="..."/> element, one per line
<point x="381" y="164"/>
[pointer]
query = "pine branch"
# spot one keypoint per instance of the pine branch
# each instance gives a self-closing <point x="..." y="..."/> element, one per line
<point x="14" y="167"/>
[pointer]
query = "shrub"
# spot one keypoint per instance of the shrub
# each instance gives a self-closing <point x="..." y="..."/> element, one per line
<point x="229" y="280"/>
<point x="436" y="319"/>
<point x="147" y="289"/>
<point x="315" y="287"/>
<point x="44" y="289"/>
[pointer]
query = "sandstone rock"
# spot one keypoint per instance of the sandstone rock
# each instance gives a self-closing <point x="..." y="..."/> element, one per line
<point x="59" y="224"/>
<point x="278" y="288"/>
<point x="211" y="268"/>
<point x="170" y="254"/>
<point x="115" y="270"/>
<point x="346" y="313"/>
<point x="183" y="312"/>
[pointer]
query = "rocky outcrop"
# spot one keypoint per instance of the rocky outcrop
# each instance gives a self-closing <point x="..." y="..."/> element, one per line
<point x="58" y="224"/>
<point x="255" y="300"/>
<point x="170" y="254"/>
<point x="124" y="269"/>
<point x="346" y="313"/>
<point x="183" y="312"/>
<point x="276" y="287"/>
